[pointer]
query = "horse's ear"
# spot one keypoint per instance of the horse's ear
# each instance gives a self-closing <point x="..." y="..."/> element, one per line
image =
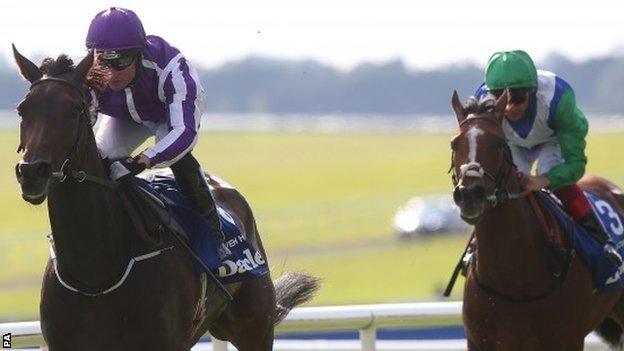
<point x="27" y="68"/>
<point x="501" y="104"/>
<point x="460" y="112"/>
<point x="83" y="67"/>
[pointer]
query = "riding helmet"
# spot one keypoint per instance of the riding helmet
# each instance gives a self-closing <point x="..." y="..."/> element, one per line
<point x="510" y="69"/>
<point x="115" y="29"/>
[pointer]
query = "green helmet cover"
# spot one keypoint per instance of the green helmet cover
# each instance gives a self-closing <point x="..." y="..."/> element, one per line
<point x="510" y="69"/>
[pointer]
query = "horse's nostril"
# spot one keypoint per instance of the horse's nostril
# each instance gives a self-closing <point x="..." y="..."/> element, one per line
<point x="38" y="169"/>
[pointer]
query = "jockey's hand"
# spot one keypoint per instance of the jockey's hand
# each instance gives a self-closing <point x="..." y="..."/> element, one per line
<point x="128" y="167"/>
<point x="144" y="160"/>
<point x="97" y="78"/>
<point x="530" y="183"/>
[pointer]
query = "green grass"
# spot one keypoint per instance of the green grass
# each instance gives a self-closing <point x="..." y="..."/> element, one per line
<point x="324" y="204"/>
<point x="390" y="273"/>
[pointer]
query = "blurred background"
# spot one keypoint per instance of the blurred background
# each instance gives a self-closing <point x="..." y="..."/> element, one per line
<point x="332" y="118"/>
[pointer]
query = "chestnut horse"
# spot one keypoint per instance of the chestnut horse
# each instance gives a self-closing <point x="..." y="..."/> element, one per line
<point x="513" y="298"/>
<point x="113" y="285"/>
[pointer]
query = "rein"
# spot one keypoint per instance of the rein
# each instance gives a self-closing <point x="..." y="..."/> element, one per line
<point x="81" y="176"/>
<point x="502" y="195"/>
<point x="66" y="171"/>
<point x="558" y="249"/>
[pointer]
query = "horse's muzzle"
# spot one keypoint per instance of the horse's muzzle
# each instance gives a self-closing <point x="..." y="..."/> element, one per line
<point x="470" y="200"/>
<point x="34" y="178"/>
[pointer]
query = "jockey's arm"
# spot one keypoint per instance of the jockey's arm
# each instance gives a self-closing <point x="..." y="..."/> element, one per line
<point x="184" y="117"/>
<point x="571" y="129"/>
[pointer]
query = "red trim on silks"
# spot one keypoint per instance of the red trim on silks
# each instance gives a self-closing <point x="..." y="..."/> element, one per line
<point x="574" y="201"/>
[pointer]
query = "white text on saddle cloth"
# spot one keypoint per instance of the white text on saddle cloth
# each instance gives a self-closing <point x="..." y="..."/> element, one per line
<point x="235" y="241"/>
<point x="249" y="263"/>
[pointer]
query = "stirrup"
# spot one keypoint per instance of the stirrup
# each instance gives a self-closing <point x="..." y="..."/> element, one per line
<point x="465" y="262"/>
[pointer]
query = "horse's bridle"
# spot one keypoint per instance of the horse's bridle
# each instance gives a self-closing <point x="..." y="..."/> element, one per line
<point x="80" y="176"/>
<point x="474" y="169"/>
<point x="66" y="171"/>
<point x="501" y="195"/>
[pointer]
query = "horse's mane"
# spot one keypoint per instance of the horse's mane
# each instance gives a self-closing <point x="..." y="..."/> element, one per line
<point x="52" y="67"/>
<point x="480" y="106"/>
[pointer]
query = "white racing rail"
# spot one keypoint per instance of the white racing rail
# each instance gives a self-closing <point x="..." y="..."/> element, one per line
<point x="365" y="318"/>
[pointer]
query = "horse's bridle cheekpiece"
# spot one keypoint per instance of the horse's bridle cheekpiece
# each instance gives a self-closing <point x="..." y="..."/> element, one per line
<point x="81" y="176"/>
<point x="501" y="195"/>
<point x="66" y="171"/>
<point x="474" y="169"/>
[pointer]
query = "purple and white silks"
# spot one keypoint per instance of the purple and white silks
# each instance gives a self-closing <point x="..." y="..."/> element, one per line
<point x="164" y="100"/>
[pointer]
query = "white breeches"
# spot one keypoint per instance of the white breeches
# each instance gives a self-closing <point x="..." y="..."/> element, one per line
<point x="117" y="138"/>
<point x="547" y="155"/>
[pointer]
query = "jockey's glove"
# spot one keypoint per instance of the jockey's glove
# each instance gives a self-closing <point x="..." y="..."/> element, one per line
<point x="97" y="78"/>
<point x="125" y="168"/>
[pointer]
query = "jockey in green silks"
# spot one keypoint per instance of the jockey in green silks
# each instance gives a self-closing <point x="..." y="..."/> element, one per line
<point x="543" y="124"/>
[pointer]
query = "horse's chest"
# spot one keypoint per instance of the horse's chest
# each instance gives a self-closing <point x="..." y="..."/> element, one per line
<point x="152" y="310"/>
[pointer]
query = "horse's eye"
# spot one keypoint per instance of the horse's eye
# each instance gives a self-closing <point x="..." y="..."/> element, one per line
<point x="453" y="145"/>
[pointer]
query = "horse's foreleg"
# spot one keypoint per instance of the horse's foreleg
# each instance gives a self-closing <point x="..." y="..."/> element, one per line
<point x="255" y="334"/>
<point x="255" y="341"/>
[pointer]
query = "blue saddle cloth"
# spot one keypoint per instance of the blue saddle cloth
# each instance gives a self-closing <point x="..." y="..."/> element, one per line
<point x="246" y="263"/>
<point x="606" y="275"/>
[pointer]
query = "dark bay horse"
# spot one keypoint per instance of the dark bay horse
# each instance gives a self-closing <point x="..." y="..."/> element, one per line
<point x="113" y="284"/>
<point x="511" y="301"/>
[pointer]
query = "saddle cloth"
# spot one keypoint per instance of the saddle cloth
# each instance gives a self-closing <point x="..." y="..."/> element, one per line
<point x="246" y="263"/>
<point x="606" y="275"/>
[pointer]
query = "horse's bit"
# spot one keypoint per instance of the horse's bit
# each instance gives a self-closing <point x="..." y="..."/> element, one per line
<point x="66" y="171"/>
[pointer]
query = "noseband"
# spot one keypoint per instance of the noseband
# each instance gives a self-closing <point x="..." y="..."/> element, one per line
<point x="500" y="195"/>
<point x="66" y="171"/>
<point x="474" y="169"/>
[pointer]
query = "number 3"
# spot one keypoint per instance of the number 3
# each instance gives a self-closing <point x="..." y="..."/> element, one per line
<point x="616" y="224"/>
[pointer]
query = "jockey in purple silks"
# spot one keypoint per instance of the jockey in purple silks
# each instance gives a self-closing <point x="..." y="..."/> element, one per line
<point x="145" y="87"/>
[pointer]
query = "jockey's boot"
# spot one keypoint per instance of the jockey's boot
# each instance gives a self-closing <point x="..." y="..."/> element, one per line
<point x="192" y="181"/>
<point x="591" y="223"/>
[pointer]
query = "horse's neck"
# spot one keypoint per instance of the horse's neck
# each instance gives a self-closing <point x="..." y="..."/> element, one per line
<point x="88" y="223"/>
<point x="512" y="255"/>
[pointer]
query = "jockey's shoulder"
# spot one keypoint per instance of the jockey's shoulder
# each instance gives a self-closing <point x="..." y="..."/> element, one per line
<point x="552" y="80"/>
<point x="552" y="90"/>
<point x="159" y="51"/>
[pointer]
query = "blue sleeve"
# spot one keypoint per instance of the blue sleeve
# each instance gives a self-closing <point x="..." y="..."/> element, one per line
<point x="561" y="86"/>
<point x="481" y="91"/>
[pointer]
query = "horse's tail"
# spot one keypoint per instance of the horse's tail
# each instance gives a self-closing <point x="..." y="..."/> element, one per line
<point x="293" y="289"/>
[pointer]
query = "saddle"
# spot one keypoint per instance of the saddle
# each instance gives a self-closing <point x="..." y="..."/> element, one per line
<point x="562" y="248"/>
<point x="160" y="196"/>
<point x="568" y="238"/>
